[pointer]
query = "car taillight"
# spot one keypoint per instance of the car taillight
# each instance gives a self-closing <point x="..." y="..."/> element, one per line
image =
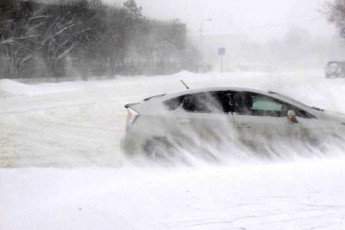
<point x="131" y="118"/>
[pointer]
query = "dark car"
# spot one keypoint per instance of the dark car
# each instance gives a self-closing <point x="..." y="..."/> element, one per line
<point x="335" y="69"/>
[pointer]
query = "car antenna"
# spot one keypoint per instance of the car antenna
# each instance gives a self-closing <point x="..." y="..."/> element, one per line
<point x="184" y="84"/>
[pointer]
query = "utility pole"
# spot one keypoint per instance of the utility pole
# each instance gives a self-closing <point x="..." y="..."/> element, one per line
<point x="201" y="38"/>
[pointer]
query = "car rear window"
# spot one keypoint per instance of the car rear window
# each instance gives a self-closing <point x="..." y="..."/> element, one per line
<point x="218" y="101"/>
<point x="175" y="103"/>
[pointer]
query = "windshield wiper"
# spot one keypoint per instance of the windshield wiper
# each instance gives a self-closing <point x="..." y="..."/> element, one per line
<point x="318" y="109"/>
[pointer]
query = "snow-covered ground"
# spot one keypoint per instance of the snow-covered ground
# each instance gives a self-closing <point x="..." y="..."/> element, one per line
<point x="62" y="167"/>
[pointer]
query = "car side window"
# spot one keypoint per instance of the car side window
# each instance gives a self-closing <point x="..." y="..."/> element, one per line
<point x="265" y="104"/>
<point x="226" y="100"/>
<point x="262" y="105"/>
<point x="210" y="102"/>
<point x="201" y="102"/>
<point x="174" y="103"/>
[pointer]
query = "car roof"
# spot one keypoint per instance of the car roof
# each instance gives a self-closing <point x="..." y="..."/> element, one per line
<point x="213" y="89"/>
<point x="234" y="89"/>
<point x="335" y="62"/>
<point x="165" y="97"/>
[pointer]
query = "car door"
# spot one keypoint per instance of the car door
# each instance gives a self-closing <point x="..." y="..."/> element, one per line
<point x="259" y="118"/>
<point x="203" y="116"/>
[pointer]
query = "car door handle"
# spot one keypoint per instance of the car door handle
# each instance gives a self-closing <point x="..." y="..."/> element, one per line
<point x="243" y="125"/>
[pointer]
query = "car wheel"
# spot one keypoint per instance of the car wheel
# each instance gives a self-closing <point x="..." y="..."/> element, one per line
<point x="159" y="148"/>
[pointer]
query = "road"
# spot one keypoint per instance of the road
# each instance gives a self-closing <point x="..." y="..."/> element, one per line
<point x="62" y="168"/>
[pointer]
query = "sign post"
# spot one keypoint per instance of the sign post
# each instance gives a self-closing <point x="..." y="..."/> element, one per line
<point x="221" y="53"/>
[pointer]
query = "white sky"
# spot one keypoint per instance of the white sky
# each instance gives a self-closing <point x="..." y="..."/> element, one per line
<point x="264" y="19"/>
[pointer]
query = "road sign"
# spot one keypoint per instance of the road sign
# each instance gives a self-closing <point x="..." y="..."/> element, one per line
<point x="221" y="51"/>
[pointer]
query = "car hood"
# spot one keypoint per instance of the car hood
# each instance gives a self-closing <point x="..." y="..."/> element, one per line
<point x="333" y="116"/>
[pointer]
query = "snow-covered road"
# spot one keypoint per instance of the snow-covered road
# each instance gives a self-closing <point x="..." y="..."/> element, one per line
<point x="62" y="167"/>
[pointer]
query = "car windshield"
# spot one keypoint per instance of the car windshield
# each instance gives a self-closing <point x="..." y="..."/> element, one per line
<point x="289" y="99"/>
<point x="296" y="102"/>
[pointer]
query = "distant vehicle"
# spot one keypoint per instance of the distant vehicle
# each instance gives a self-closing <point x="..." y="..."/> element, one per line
<point x="168" y="120"/>
<point x="335" y="69"/>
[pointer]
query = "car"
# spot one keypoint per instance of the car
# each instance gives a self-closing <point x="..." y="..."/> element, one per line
<point x="335" y="69"/>
<point x="194" y="118"/>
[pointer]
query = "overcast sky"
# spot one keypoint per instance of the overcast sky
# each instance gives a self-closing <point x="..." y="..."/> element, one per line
<point x="262" y="19"/>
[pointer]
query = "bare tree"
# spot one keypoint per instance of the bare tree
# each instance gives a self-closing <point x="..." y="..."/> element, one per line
<point x="20" y="37"/>
<point x="86" y="37"/>
<point x="335" y="11"/>
<point x="66" y="31"/>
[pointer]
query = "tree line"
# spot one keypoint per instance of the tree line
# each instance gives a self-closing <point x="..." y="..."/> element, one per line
<point x="88" y="37"/>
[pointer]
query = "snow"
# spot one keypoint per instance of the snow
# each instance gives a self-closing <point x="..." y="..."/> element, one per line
<point x="62" y="168"/>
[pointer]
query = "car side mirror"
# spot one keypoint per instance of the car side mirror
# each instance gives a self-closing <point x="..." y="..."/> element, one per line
<point x="291" y="116"/>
